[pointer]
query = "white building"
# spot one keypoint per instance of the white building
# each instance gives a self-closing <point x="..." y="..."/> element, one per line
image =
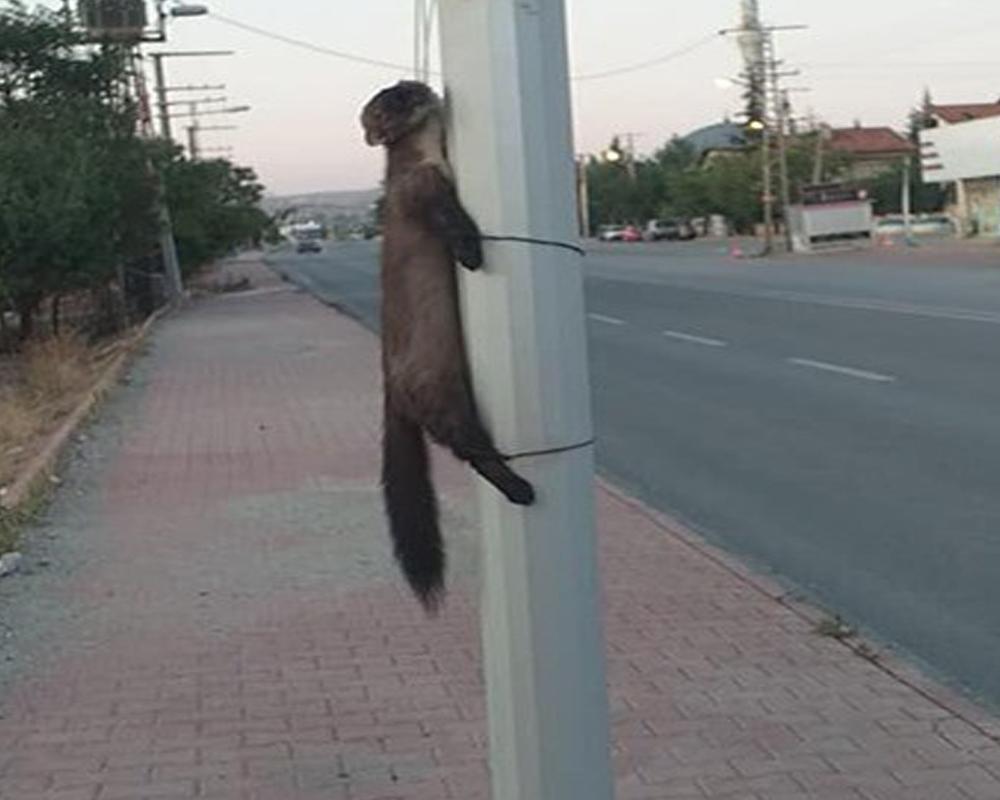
<point x="964" y="150"/>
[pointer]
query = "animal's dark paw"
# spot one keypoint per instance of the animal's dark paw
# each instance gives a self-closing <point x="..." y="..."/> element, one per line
<point x="520" y="492"/>
<point x="511" y="485"/>
<point x="470" y="253"/>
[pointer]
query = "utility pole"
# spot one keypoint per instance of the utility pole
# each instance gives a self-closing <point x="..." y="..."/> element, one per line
<point x="906" y="201"/>
<point x="168" y="247"/>
<point x="817" y="175"/>
<point x="630" y="137"/>
<point x="161" y="83"/>
<point x="782" y="105"/>
<point x="161" y="96"/>
<point x="762" y="68"/>
<point x="192" y="132"/>
<point x="505" y="68"/>
<point x="768" y="181"/>
<point x="583" y="194"/>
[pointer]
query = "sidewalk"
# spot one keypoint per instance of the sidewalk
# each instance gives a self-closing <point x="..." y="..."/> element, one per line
<point x="210" y="610"/>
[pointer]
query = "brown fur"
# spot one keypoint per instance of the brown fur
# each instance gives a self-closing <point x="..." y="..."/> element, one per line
<point x="427" y="384"/>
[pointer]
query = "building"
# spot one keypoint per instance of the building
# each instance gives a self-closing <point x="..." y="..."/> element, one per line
<point x="967" y="112"/>
<point x="713" y="141"/>
<point x="962" y="148"/>
<point x="870" y="151"/>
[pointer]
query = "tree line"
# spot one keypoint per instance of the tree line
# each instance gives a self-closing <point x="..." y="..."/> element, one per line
<point x="677" y="182"/>
<point x="78" y="184"/>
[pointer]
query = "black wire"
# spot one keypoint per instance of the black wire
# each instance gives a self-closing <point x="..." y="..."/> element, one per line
<point x="375" y="62"/>
<point x="551" y="451"/>
<point x="530" y="240"/>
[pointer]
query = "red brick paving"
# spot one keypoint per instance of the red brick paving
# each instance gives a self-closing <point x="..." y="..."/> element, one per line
<point x="241" y="632"/>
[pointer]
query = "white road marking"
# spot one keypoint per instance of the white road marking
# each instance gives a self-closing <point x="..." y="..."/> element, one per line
<point x="608" y="320"/>
<point x="841" y="370"/>
<point x="687" y="337"/>
<point x="892" y="307"/>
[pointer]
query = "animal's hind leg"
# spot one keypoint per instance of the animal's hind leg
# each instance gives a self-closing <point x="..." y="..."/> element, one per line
<point x="460" y="430"/>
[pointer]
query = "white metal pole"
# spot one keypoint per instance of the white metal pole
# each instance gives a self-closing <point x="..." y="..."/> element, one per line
<point x="505" y="71"/>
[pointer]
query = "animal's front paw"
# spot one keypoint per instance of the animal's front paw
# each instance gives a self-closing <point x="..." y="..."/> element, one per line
<point x="469" y="253"/>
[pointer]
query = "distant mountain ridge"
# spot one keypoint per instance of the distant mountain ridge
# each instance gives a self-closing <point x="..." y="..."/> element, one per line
<point x="357" y="201"/>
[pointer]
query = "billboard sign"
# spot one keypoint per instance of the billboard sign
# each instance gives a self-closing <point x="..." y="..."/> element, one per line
<point x="962" y="151"/>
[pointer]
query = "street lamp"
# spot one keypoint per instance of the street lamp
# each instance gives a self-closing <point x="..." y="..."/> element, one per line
<point x="185" y="10"/>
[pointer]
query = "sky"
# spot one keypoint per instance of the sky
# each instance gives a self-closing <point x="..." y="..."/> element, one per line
<point x="861" y="60"/>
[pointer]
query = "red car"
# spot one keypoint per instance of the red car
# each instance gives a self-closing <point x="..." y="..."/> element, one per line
<point x="631" y="234"/>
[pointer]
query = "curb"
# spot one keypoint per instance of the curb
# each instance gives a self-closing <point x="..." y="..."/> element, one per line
<point x="898" y="667"/>
<point x="20" y="492"/>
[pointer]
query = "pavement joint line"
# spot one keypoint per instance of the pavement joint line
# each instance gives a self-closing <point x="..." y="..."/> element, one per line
<point x="688" y="337"/>
<point x="839" y="369"/>
<point x="607" y="320"/>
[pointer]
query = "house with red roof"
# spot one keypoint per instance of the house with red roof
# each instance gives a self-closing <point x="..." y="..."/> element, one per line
<point x="963" y="112"/>
<point x="870" y="150"/>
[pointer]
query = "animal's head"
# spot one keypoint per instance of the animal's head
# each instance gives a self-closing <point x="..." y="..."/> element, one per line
<point x="397" y="111"/>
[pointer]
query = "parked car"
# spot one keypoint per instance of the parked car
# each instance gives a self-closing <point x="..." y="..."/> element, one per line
<point x="669" y="230"/>
<point x="631" y="234"/>
<point x="934" y="225"/>
<point x="888" y="226"/>
<point x="308" y="246"/>
<point x="920" y="225"/>
<point x="611" y="233"/>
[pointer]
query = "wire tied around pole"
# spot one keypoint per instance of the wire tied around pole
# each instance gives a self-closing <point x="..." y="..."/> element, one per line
<point x="532" y="240"/>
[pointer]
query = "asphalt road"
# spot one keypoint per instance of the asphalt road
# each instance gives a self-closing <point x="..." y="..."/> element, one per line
<point x="834" y="420"/>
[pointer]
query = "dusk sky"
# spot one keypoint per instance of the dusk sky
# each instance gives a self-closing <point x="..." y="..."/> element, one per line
<point x="861" y="59"/>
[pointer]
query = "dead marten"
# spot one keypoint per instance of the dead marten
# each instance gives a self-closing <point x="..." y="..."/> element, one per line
<point x="427" y="384"/>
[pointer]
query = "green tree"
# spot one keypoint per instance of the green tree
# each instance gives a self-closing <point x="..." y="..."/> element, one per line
<point x="72" y="202"/>
<point x="215" y="206"/>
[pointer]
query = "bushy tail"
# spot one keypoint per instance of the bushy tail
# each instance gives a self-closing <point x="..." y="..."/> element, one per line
<point x="412" y="509"/>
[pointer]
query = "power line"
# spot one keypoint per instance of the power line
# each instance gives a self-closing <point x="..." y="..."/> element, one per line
<point x="375" y="62"/>
<point x="653" y="62"/>
<point x="327" y="51"/>
<point x="868" y="65"/>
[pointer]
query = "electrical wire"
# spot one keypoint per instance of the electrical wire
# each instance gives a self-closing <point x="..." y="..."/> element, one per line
<point x="326" y="51"/>
<point x="654" y="62"/>
<point x="375" y="62"/>
<point x="869" y="65"/>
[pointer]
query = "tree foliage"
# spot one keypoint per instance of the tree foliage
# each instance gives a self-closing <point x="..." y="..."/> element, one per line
<point x="77" y="186"/>
<point x="215" y="207"/>
<point x="678" y="182"/>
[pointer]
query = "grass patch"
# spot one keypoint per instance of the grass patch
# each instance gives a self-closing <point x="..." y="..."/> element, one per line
<point x="39" y="387"/>
<point x="10" y="526"/>
<point x="835" y="628"/>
